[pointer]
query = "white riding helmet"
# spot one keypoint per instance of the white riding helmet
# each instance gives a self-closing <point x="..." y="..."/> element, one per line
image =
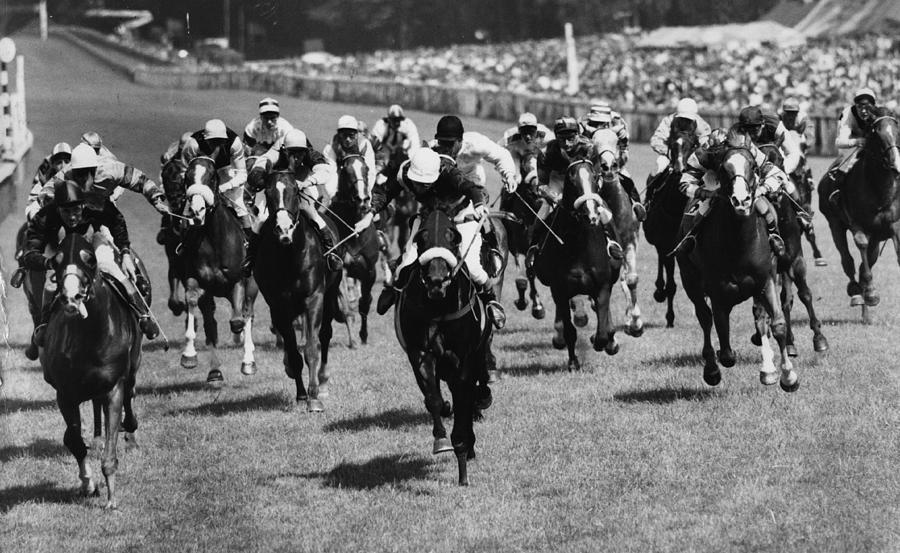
<point x="862" y="93"/>
<point x="215" y="128"/>
<point x="348" y="122"/>
<point x="600" y="114"/>
<point x="687" y="109"/>
<point x="528" y="120"/>
<point x="295" y="138"/>
<point x="395" y="112"/>
<point x="267" y="105"/>
<point x="424" y="166"/>
<point x="61" y="148"/>
<point x="92" y="139"/>
<point x="84" y="157"/>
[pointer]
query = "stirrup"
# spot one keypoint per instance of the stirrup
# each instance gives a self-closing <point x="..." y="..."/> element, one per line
<point x="17" y="277"/>
<point x="386" y="299"/>
<point x="834" y="198"/>
<point x="686" y="245"/>
<point x="39" y="335"/>
<point x="777" y="243"/>
<point x="334" y="262"/>
<point x="614" y="249"/>
<point x="640" y="212"/>
<point x="496" y="314"/>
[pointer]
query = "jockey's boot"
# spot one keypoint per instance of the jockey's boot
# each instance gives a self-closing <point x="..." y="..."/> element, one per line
<point x="530" y="256"/>
<point x="495" y="312"/>
<point x="145" y="320"/>
<point x="775" y="240"/>
<point x="613" y="248"/>
<point x="687" y="243"/>
<point x="250" y="255"/>
<point x="17" y="277"/>
<point x="163" y="230"/>
<point x="837" y="177"/>
<point x="639" y="211"/>
<point x="332" y="260"/>
<point x="389" y="293"/>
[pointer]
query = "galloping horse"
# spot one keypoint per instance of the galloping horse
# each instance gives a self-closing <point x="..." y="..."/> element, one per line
<point x="32" y="283"/>
<point x="627" y="225"/>
<point x="360" y="254"/>
<point x="802" y="178"/>
<point x="580" y="266"/>
<point x="294" y="280"/>
<point x="792" y="265"/>
<point x="210" y="259"/>
<point x="93" y="352"/>
<point x="173" y="184"/>
<point x="523" y="205"/>
<point x="732" y="262"/>
<point x="869" y="207"/>
<point x="664" y="210"/>
<point x="441" y="323"/>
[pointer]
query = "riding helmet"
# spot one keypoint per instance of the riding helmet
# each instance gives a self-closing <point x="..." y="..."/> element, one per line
<point x="751" y="117"/>
<point x="449" y="128"/>
<point x="84" y="157"/>
<point x="565" y="125"/>
<point x="67" y="193"/>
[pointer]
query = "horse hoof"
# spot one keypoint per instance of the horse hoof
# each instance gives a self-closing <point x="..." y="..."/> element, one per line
<point x="441" y="445"/>
<point x="820" y="262"/>
<point x="493" y="376"/>
<point x="712" y="376"/>
<point x="820" y="343"/>
<point x="558" y="343"/>
<point x="598" y="344"/>
<point x="31" y="352"/>
<point x="237" y="326"/>
<point x="790" y="387"/>
<point x="791" y="350"/>
<point x="520" y="304"/>
<point x="446" y="410"/>
<point x="659" y="295"/>
<point x="872" y="300"/>
<point x="635" y="332"/>
<point x="538" y="312"/>
<point x="856" y="300"/>
<point x="363" y="337"/>
<point x="574" y="365"/>
<point x="670" y="321"/>
<point x="768" y="378"/>
<point x="756" y="340"/>
<point x="189" y="361"/>
<point x="726" y="358"/>
<point x="314" y="405"/>
<point x="612" y="347"/>
<point x="580" y="320"/>
<point x="248" y="369"/>
<point x="177" y="307"/>
<point x="214" y="376"/>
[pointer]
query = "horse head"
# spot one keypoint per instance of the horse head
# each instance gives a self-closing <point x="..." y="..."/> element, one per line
<point x="581" y="183"/>
<point x="76" y="268"/>
<point x="883" y="134"/>
<point x="773" y="154"/>
<point x="353" y="182"/>
<point x="606" y="147"/>
<point x="528" y="168"/>
<point x="202" y="181"/>
<point x="438" y="240"/>
<point x="681" y="145"/>
<point x="283" y="202"/>
<point x="737" y="176"/>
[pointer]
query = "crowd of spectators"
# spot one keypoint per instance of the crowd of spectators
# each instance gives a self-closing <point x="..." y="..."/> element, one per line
<point x="821" y="74"/>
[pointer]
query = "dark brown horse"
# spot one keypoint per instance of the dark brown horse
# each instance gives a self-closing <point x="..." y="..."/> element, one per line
<point x="803" y="181"/>
<point x="442" y="325"/>
<point x="792" y="265"/>
<point x="731" y="263"/>
<point x="868" y="207"/>
<point x="522" y="205"/>
<point x="580" y="266"/>
<point x="294" y="280"/>
<point x="665" y="207"/>
<point x="32" y="283"/>
<point x="93" y="352"/>
<point x="210" y="257"/>
<point x="360" y="254"/>
<point x="171" y="177"/>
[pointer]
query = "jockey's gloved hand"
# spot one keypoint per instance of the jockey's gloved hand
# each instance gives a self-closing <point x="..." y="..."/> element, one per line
<point x="161" y="205"/>
<point x="363" y="223"/>
<point x="380" y="178"/>
<point x="128" y="266"/>
<point x="482" y="211"/>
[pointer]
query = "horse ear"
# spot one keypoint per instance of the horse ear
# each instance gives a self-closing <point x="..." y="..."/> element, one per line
<point x="88" y="257"/>
<point x="58" y="259"/>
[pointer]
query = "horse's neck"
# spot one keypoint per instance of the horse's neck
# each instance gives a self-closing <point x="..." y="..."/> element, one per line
<point x="77" y="334"/>
<point x="879" y="181"/>
<point x="614" y="194"/>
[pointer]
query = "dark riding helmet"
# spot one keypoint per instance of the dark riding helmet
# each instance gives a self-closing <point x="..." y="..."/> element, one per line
<point x="751" y="117"/>
<point x="67" y="193"/>
<point x="449" y="128"/>
<point x="565" y="125"/>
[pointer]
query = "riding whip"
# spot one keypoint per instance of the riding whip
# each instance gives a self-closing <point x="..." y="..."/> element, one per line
<point x="346" y="238"/>
<point x="326" y="208"/>
<point x="538" y="218"/>
<point x="156" y="321"/>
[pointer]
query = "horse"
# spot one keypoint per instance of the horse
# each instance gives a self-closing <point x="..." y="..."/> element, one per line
<point x="868" y="207"/>
<point x="626" y="223"/>
<point x="173" y="185"/>
<point x="32" y="283"/>
<point x="93" y="352"/>
<point x="361" y="254"/>
<point x="665" y="206"/>
<point x="210" y="257"/>
<point x="522" y="205"/>
<point x="792" y="265"/>
<point x="398" y="223"/>
<point x="581" y="264"/>
<point x="442" y="324"/>
<point x="803" y="181"/>
<point x="294" y="280"/>
<point x="731" y="262"/>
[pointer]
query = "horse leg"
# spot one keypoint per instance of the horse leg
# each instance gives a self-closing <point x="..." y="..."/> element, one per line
<point x="767" y="372"/>
<point x="97" y="406"/>
<point x="112" y="408"/>
<point x="817" y="254"/>
<point x="207" y="306"/>
<point x="248" y="364"/>
<point x="283" y="322"/>
<point x="521" y="283"/>
<point x="691" y="281"/>
<point x="790" y="382"/>
<point x="580" y="318"/>
<point x="236" y="322"/>
<point x="192" y="296"/>
<point x="312" y="350"/>
<point x="722" y="319"/>
<point x="605" y="337"/>
<point x="75" y="443"/>
<point x="839" y="236"/>
<point x="176" y="302"/>
<point x="365" y="303"/>
<point x="659" y="294"/>
<point x="425" y="372"/>
<point x="787" y="304"/>
<point x="463" y="434"/>
<point x="870" y="296"/>
<point x="629" y="283"/>
<point x="671" y="287"/>
<point x="537" y="307"/>
<point x="325" y="335"/>
<point x="129" y="422"/>
<point x="564" y="325"/>
<point x="820" y="343"/>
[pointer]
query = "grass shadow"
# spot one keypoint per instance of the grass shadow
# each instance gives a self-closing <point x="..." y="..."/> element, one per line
<point x="173" y="388"/>
<point x="18" y="404"/>
<point x="665" y="395"/>
<point x="679" y="359"/>
<point x="45" y="492"/>
<point x="535" y="367"/>
<point x="394" y="419"/>
<point x="270" y="401"/>
<point x="39" y="449"/>
<point x="374" y="473"/>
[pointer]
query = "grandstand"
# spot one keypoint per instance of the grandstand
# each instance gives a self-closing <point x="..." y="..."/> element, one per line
<point x="829" y="18"/>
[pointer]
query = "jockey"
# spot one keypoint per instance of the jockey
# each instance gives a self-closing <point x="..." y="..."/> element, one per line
<point x="528" y="136"/>
<point x="438" y="185"/>
<point x="699" y="181"/>
<point x="775" y="132"/>
<point x="311" y="170"/>
<point x="173" y="155"/>
<point x="264" y="130"/>
<point x="568" y="146"/>
<point x="796" y="120"/>
<point x="686" y="117"/>
<point x="856" y="122"/>
<point x="396" y="136"/>
<point x="465" y="150"/>
<point x="226" y="149"/>
<point x="57" y="161"/>
<point x="602" y="117"/>
<point x="93" y="140"/>
<point x="71" y="210"/>
<point x="349" y="141"/>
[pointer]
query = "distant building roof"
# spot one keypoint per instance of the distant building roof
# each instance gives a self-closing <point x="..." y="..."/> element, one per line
<point x="710" y="35"/>
<point x="789" y="12"/>
<point x="837" y="17"/>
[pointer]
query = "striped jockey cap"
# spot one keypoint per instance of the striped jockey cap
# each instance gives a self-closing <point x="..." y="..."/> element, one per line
<point x="269" y="105"/>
